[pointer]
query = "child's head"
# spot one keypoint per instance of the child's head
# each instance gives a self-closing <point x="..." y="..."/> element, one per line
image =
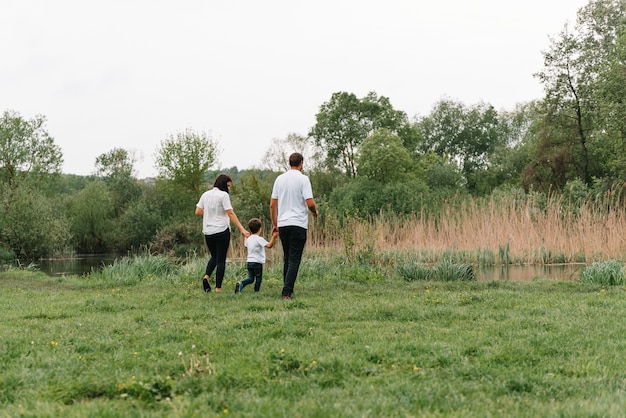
<point x="254" y="225"/>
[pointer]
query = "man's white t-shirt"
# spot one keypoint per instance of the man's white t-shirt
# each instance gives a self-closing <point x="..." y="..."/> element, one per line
<point x="214" y="203"/>
<point x="292" y="189"/>
<point x="256" y="249"/>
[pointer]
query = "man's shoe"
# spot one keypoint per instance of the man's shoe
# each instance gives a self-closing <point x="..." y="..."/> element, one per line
<point x="205" y="285"/>
<point x="237" y="287"/>
<point x="286" y="297"/>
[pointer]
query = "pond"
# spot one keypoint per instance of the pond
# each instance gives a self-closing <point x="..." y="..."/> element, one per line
<point x="84" y="264"/>
<point x="77" y="265"/>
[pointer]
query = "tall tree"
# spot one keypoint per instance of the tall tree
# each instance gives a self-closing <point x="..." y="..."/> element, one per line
<point x="383" y="158"/>
<point x="117" y="169"/>
<point x="276" y="158"/>
<point x="26" y="149"/>
<point x="343" y="123"/>
<point x="184" y="159"/>
<point x="583" y="118"/>
<point x="468" y="136"/>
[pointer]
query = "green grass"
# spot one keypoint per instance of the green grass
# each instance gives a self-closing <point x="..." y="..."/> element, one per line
<point x="354" y="341"/>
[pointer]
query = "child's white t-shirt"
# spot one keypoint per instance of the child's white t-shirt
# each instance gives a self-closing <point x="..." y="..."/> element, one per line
<point x="256" y="248"/>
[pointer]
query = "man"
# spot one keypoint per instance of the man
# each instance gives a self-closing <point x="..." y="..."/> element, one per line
<point x="292" y="198"/>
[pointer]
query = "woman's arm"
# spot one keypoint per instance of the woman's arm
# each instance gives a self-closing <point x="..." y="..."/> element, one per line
<point x="234" y="219"/>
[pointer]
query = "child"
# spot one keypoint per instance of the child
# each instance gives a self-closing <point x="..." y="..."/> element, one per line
<point x="256" y="246"/>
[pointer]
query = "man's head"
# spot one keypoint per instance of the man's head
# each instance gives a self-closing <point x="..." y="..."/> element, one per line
<point x="295" y="160"/>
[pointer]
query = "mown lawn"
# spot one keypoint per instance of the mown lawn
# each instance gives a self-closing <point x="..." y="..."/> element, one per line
<point x="353" y="346"/>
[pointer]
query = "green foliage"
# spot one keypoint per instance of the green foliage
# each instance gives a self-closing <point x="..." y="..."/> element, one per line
<point x="383" y="158"/>
<point x="251" y="197"/>
<point x="137" y="269"/>
<point x="412" y="271"/>
<point x="583" y="124"/>
<point x="370" y="198"/>
<point x="185" y="158"/>
<point x="343" y="123"/>
<point x="180" y="238"/>
<point x="605" y="273"/>
<point x="468" y="136"/>
<point x="32" y="225"/>
<point x="27" y="151"/>
<point x="444" y="271"/>
<point x="91" y="213"/>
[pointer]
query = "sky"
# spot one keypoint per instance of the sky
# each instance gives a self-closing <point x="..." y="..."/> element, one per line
<point x="131" y="73"/>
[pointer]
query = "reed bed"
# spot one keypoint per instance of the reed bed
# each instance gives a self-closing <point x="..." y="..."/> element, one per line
<point x="496" y="231"/>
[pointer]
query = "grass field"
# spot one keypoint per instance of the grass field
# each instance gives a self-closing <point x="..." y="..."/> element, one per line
<point x="354" y="342"/>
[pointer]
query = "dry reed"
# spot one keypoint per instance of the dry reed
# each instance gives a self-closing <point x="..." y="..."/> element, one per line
<point x="526" y="233"/>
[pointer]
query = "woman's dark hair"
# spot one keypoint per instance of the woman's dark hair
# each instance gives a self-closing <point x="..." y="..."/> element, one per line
<point x="221" y="182"/>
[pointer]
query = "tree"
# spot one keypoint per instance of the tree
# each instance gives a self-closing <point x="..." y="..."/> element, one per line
<point x="467" y="136"/>
<point x="343" y="123"/>
<point x="276" y="158"/>
<point x="117" y="168"/>
<point x="26" y="149"/>
<point x="91" y="213"/>
<point x="383" y="158"/>
<point x="185" y="158"/>
<point x="31" y="224"/>
<point x="584" y="119"/>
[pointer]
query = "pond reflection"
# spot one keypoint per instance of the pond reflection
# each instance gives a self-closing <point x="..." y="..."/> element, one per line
<point x="527" y="273"/>
<point x="77" y="265"/>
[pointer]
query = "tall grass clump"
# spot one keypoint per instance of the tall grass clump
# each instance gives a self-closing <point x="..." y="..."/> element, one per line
<point x="138" y="269"/>
<point x="445" y="271"/>
<point x="412" y="271"/>
<point x="605" y="273"/>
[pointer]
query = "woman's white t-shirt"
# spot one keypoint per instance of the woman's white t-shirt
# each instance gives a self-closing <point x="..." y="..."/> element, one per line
<point x="214" y="203"/>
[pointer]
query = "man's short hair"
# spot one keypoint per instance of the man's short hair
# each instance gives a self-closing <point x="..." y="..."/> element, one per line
<point x="295" y="159"/>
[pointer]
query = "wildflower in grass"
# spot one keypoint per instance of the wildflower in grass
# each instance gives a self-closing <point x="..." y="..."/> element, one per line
<point x="54" y="343"/>
<point x="416" y="369"/>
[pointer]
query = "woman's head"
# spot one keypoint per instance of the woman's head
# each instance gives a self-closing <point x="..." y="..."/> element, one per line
<point x="222" y="182"/>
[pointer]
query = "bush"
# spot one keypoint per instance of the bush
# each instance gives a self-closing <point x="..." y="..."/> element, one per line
<point x="411" y="271"/>
<point x="605" y="273"/>
<point x="447" y="271"/>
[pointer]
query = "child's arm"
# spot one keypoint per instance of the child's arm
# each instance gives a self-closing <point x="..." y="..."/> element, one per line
<point x="270" y="244"/>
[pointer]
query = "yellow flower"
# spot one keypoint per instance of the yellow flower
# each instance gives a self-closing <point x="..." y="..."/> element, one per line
<point x="54" y="343"/>
<point x="416" y="369"/>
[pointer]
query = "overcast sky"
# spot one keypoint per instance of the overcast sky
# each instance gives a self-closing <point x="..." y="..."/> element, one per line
<point x="129" y="73"/>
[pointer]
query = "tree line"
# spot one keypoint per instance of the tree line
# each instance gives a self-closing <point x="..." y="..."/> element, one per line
<point x="363" y="156"/>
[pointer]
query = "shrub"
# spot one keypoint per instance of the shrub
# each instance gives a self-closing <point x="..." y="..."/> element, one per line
<point x="447" y="271"/>
<point x="605" y="273"/>
<point x="411" y="271"/>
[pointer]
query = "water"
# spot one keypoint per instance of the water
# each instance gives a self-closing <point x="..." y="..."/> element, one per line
<point x="527" y="273"/>
<point x="77" y="265"/>
<point x="84" y="264"/>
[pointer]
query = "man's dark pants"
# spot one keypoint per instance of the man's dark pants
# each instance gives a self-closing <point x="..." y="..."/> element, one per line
<point x="293" y="239"/>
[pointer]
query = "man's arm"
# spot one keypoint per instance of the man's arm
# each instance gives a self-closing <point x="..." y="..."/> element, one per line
<point x="310" y="203"/>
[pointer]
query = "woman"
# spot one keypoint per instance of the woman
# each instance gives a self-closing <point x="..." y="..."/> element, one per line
<point x="217" y="213"/>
